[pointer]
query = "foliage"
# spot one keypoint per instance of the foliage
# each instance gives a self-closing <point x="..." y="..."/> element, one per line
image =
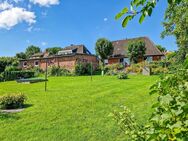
<point x="31" y="50"/>
<point x="186" y="63"/>
<point x="161" y="48"/>
<point x="58" y="71"/>
<point x="104" y="48"/>
<point x="13" y="75"/>
<point x="11" y="68"/>
<point x="12" y="101"/>
<point x="7" y="61"/>
<point x="113" y="69"/>
<point x="136" y="50"/>
<point x="169" y="121"/>
<point x="176" y="24"/>
<point x="21" y="55"/>
<point x="135" y="68"/>
<point x="83" y="69"/>
<point x="143" y="8"/>
<point x="122" y="75"/>
<point x="1" y="77"/>
<point x="53" y="50"/>
<point x="38" y="71"/>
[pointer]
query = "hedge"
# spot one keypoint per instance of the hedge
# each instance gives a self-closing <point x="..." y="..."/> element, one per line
<point x="13" y="75"/>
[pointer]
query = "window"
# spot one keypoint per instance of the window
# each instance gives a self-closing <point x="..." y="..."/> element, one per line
<point x="121" y="60"/>
<point x="36" y="63"/>
<point x="149" y="58"/>
<point x="24" y="64"/>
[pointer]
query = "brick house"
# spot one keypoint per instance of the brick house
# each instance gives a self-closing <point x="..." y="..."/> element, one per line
<point x="120" y="53"/>
<point x="67" y="58"/>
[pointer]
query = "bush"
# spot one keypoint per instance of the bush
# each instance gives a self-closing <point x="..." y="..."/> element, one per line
<point x="13" y="75"/>
<point x="38" y="71"/>
<point x="113" y="69"/>
<point x="122" y="75"/>
<point x="58" y="71"/>
<point x="1" y="77"/>
<point x="83" y="69"/>
<point x="135" y="68"/>
<point x="12" y="101"/>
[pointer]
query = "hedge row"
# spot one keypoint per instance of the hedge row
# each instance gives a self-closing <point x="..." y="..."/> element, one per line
<point x="13" y="75"/>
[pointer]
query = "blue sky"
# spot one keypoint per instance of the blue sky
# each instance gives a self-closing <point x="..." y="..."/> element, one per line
<point x="75" y="22"/>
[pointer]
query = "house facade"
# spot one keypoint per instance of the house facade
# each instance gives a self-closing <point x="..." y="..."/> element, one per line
<point x="120" y="53"/>
<point x="67" y="58"/>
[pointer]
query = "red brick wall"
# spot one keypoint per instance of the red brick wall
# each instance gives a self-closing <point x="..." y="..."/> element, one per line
<point x="67" y="62"/>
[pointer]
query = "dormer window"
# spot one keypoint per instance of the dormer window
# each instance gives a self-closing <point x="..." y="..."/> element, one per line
<point x="24" y="64"/>
<point x="36" y="63"/>
<point x="65" y="52"/>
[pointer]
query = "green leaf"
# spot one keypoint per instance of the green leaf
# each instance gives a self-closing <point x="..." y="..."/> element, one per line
<point x="123" y="12"/>
<point x="170" y="1"/>
<point x="126" y="20"/>
<point x="150" y="11"/>
<point x="142" y="18"/>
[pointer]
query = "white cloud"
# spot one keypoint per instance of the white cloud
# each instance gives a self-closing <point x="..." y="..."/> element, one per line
<point x="5" y="5"/>
<point x="14" y="16"/>
<point x="105" y="19"/>
<point x="45" y="2"/>
<point x="44" y="43"/>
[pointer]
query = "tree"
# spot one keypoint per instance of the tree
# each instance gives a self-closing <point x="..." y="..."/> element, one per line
<point x="136" y="50"/>
<point x="21" y="55"/>
<point x="31" y="50"/>
<point x="143" y="8"/>
<point x="176" y="24"/>
<point x="162" y="49"/>
<point x="104" y="48"/>
<point x="53" y="50"/>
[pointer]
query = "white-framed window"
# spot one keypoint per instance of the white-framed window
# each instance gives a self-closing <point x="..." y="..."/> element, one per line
<point x="25" y="64"/>
<point x="106" y="61"/>
<point x="127" y="61"/>
<point x="149" y="58"/>
<point x="36" y="63"/>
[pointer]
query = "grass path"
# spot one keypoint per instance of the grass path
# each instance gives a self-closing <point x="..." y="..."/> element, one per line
<point x="74" y="108"/>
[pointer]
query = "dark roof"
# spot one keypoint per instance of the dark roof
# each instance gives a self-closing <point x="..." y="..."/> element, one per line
<point x="77" y="49"/>
<point x="40" y="54"/>
<point x="121" y="47"/>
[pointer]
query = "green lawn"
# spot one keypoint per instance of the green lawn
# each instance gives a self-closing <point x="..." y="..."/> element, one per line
<point x="75" y="109"/>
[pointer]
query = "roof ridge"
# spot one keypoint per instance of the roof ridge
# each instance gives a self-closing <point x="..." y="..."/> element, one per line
<point x="131" y="38"/>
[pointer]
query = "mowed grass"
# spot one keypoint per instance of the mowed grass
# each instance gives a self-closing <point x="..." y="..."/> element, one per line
<point x="75" y="108"/>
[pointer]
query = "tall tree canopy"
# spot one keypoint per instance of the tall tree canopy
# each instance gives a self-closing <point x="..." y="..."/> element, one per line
<point x="31" y="50"/>
<point x="136" y="50"/>
<point x="104" y="48"/>
<point x="161" y="48"/>
<point x="176" y="24"/>
<point x="53" y="50"/>
<point x="21" y="55"/>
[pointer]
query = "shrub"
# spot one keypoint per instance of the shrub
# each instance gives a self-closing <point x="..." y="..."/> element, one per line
<point x="83" y="69"/>
<point x="169" y="121"/>
<point x="79" y="69"/>
<point x="111" y="72"/>
<point x="122" y="75"/>
<point x="13" y="75"/>
<point x="58" y="71"/>
<point x="1" y="77"/>
<point x="113" y="69"/>
<point x="37" y="71"/>
<point x="12" y="101"/>
<point x="136" y="68"/>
